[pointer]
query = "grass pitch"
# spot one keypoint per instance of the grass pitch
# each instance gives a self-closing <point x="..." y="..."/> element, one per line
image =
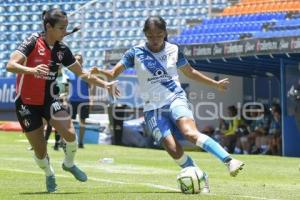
<point x="140" y="174"/>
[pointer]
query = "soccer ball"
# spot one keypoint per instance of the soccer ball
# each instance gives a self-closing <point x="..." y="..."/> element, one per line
<point x="189" y="180"/>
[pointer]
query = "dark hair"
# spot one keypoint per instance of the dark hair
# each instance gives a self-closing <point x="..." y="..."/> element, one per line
<point x="52" y="16"/>
<point x="159" y="23"/>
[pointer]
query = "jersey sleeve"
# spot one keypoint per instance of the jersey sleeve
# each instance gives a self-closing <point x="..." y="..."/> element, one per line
<point x="128" y="58"/>
<point x="27" y="45"/>
<point x="68" y="58"/>
<point x="181" y="60"/>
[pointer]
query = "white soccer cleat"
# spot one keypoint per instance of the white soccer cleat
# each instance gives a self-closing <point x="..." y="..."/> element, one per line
<point x="234" y="166"/>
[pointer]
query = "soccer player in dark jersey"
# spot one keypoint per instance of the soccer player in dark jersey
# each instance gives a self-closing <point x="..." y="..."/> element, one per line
<point x="36" y="63"/>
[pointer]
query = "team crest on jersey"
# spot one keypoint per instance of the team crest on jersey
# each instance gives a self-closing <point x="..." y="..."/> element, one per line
<point x="60" y="55"/>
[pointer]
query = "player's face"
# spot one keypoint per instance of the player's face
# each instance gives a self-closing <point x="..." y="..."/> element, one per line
<point x="155" y="38"/>
<point x="59" y="30"/>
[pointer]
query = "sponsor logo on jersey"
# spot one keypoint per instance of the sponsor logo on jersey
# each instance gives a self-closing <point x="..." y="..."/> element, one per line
<point x="38" y="60"/>
<point x="41" y="50"/>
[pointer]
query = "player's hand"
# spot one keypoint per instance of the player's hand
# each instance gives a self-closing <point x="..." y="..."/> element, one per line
<point x="112" y="88"/>
<point x="222" y="85"/>
<point x="41" y="69"/>
<point x="94" y="70"/>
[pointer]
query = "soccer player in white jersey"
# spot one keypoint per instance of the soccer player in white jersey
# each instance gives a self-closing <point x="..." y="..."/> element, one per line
<point x="166" y="107"/>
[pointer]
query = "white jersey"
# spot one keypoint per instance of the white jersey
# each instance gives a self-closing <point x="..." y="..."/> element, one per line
<point x="157" y="73"/>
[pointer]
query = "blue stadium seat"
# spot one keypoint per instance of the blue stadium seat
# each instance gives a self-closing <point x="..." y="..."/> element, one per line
<point x="98" y="22"/>
<point x="13" y="28"/>
<point x="24" y="28"/>
<point x="12" y="18"/>
<point x="3" y="28"/>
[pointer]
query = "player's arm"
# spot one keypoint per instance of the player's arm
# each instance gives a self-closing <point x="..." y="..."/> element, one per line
<point x="16" y="65"/>
<point x="194" y="74"/>
<point x="109" y="74"/>
<point x="126" y="62"/>
<point x="92" y="79"/>
<point x="17" y="61"/>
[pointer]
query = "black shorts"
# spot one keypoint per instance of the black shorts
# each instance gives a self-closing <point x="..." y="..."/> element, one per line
<point x="82" y="108"/>
<point x="30" y="116"/>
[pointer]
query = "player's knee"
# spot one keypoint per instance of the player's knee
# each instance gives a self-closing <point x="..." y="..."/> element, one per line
<point x="69" y="135"/>
<point x="201" y="138"/>
<point x="190" y="134"/>
<point x="175" y="153"/>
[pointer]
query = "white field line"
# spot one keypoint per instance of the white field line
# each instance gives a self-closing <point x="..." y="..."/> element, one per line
<point x="97" y="179"/>
<point x="162" y="187"/>
<point x="106" y="167"/>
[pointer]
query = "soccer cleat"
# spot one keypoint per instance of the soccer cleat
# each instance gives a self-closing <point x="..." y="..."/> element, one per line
<point x="234" y="166"/>
<point x="51" y="184"/>
<point x="206" y="188"/>
<point x="80" y="145"/>
<point x="77" y="173"/>
<point x="56" y="146"/>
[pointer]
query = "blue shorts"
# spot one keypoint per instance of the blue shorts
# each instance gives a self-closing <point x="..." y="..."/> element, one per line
<point x="162" y="122"/>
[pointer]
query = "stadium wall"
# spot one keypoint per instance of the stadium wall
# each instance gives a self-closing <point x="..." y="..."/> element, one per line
<point x="209" y="96"/>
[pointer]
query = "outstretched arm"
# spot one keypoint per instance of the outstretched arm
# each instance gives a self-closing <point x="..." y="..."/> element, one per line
<point x="94" y="80"/>
<point x="194" y="74"/>
<point x="109" y="74"/>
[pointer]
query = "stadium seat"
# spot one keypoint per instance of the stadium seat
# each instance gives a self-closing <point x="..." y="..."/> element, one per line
<point x="97" y="19"/>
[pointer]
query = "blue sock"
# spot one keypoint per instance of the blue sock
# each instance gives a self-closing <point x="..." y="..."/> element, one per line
<point x="211" y="146"/>
<point x="185" y="161"/>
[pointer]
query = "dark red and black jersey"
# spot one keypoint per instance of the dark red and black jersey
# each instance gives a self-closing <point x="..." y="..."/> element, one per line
<point x="36" y="89"/>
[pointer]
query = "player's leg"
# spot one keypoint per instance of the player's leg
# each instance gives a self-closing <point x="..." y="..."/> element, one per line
<point x="57" y="143"/>
<point x="183" y="117"/>
<point x="32" y="124"/>
<point x="159" y="125"/>
<point x="62" y="123"/>
<point x="39" y="145"/>
<point x="83" y="114"/>
<point x="175" y="150"/>
<point x="48" y="131"/>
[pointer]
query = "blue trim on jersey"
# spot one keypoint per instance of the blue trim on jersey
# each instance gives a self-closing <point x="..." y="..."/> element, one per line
<point x="154" y="66"/>
<point x="181" y="60"/>
<point x="128" y="58"/>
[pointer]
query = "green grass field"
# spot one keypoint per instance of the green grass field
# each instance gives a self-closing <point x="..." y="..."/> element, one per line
<point x="140" y="174"/>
